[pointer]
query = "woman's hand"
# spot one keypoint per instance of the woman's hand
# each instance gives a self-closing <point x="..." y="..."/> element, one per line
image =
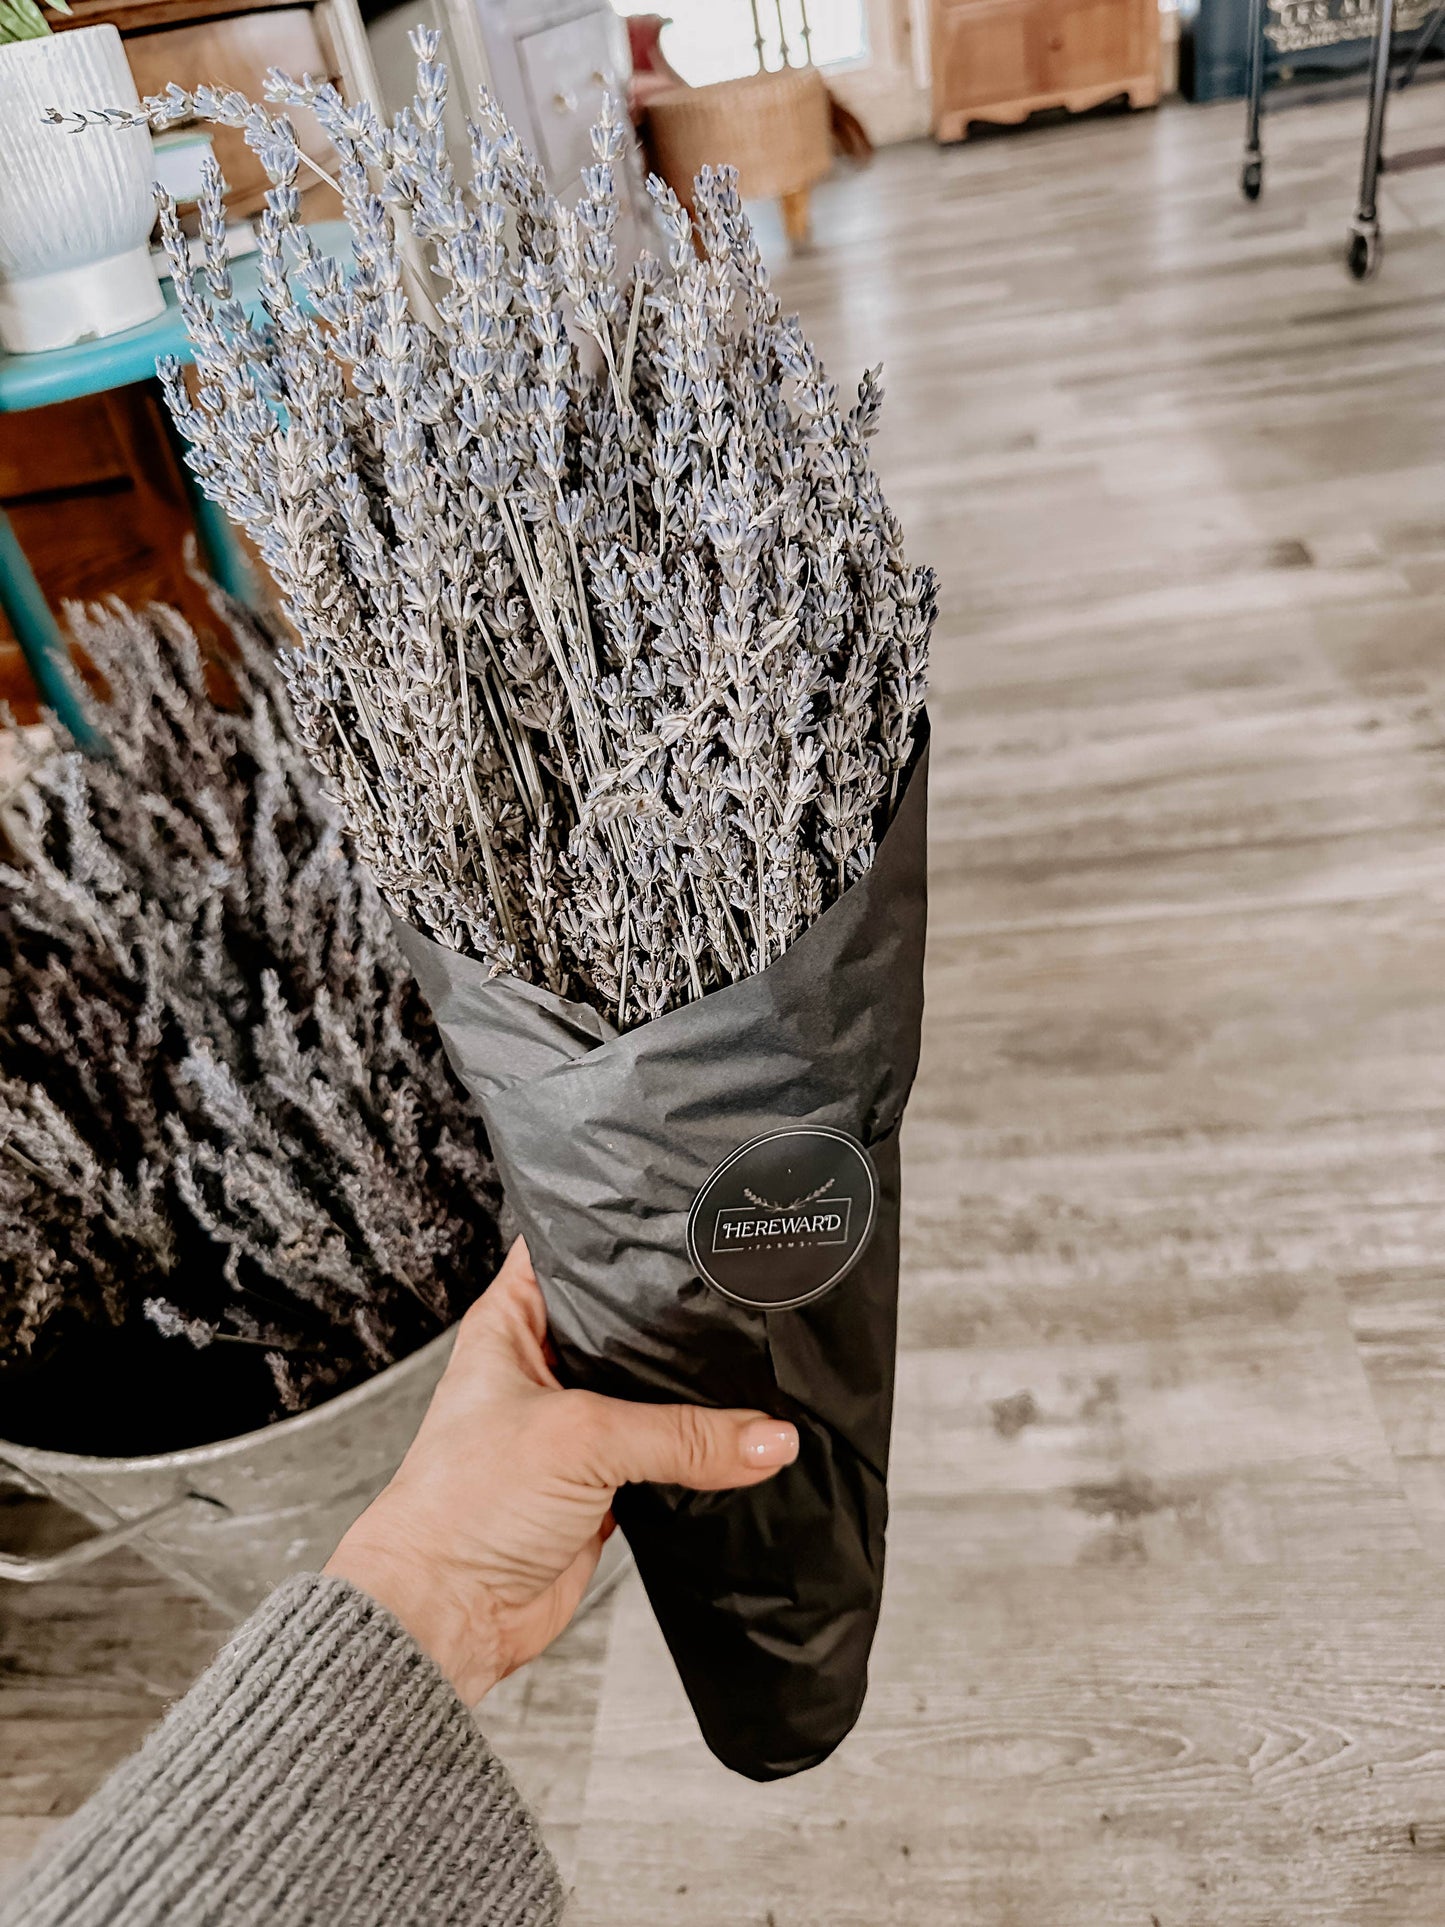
<point x="484" y="1542"/>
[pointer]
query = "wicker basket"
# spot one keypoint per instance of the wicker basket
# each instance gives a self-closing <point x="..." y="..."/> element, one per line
<point x="775" y="128"/>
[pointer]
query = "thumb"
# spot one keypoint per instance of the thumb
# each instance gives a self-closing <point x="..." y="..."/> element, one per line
<point x="690" y="1445"/>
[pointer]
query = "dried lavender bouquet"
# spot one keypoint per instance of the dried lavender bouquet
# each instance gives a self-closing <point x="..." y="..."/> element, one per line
<point x="610" y="652"/>
<point x="223" y="1110"/>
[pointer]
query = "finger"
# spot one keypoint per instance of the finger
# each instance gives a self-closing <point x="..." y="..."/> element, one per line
<point x="574" y="1582"/>
<point x="689" y="1445"/>
<point x="506" y="1295"/>
<point x="515" y="1293"/>
<point x="523" y="1289"/>
<point x="511" y="1315"/>
<point x="538" y="1624"/>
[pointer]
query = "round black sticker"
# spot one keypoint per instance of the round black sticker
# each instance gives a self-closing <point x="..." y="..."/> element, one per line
<point x="784" y="1218"/>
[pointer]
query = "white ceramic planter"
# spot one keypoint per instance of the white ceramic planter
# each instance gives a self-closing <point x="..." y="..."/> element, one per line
<point x="76" y="209"/>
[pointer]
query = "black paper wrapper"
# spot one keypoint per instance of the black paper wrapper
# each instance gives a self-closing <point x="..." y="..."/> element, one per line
<point x="768" y="1597"/>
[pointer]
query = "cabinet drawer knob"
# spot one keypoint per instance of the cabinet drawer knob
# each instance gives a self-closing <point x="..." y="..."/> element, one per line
<point x="565" y="103"/>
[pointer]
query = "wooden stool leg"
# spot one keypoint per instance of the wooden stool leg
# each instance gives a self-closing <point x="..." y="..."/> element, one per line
<point x="797" y="216"/>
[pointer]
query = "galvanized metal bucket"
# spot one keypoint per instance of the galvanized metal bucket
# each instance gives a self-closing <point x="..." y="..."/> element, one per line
<point x="229" y="1521"/>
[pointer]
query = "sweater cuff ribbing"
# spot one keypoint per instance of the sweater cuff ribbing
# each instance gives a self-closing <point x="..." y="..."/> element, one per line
<point x="321" y="1770"/>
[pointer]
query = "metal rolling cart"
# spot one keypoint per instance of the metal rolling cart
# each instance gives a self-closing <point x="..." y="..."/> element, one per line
<point x="1363" y="252"/>
<point x="1363" y="247"/>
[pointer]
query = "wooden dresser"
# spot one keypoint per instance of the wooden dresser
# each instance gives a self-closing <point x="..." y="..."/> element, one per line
<point x="1002" y="60"/>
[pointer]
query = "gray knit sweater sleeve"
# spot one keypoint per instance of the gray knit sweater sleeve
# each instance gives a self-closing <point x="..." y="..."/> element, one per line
<point x="322" y="1773"/>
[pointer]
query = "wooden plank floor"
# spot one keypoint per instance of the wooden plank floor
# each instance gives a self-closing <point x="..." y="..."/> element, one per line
<point x="1164" y="1643"/>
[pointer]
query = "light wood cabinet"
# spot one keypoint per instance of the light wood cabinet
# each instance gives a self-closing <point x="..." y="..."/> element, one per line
<point x="1001" y="60"/>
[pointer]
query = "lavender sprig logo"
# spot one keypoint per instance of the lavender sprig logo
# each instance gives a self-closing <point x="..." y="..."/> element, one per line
<point x="784" y="1218"/>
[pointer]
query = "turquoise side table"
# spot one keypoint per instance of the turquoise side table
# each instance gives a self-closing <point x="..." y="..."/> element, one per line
<point x="94" y="368"/>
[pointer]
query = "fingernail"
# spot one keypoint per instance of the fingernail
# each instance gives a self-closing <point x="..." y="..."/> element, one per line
<point x="766" y="1441"/>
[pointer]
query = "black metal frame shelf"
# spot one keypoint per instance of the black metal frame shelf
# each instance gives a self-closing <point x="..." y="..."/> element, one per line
<point x="1362" y="254"/>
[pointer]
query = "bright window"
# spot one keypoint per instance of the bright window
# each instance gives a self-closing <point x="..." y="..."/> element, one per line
<point x="713" y="39"/>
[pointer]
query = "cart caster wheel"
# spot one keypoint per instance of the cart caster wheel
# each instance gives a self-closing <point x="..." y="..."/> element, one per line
<point x="1364" y="254"/>
<point x="1251" y="180"/>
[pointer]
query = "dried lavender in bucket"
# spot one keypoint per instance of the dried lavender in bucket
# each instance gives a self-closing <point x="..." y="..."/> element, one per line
<point x="609" y="648"/>
<point x="222" y="1105"/>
